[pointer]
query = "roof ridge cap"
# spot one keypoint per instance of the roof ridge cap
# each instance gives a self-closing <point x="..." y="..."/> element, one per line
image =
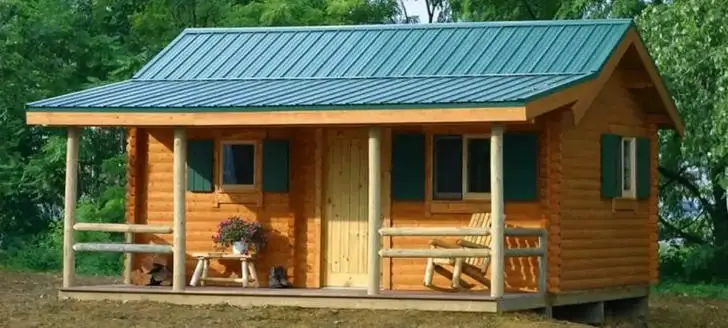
<point x="481" y="24"/>
<point x="370" y="77"/>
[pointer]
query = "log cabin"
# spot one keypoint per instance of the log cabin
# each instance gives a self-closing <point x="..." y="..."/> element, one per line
<point x="360" y="148"/>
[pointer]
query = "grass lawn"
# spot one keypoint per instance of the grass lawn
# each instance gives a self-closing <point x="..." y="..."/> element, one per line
<point x="692" y="290"/>
<point x="30" y="300"/>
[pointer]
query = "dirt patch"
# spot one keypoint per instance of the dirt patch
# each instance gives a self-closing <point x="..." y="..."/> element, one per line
<point x="30" y="300"/>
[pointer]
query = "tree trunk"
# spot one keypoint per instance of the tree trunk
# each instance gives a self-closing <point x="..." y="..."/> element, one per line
<point x="719" y="216"/>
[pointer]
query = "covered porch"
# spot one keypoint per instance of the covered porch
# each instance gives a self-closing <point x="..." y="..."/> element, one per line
<point x="379" y="255"/>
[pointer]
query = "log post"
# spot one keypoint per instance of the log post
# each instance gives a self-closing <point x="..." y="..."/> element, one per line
<point x="375" y="210"/>
<point x="180" y="182"/>
<point x="69" y="215"/>
<point x="497" y="261"/>
<point x="128" y="258"/>
<point x="543" y="264"/>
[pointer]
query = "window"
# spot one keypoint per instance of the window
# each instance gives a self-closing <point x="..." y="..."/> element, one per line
<point x="238" y="165"/>
<point x="628" y="166"/>
<point x="461" y="167"/>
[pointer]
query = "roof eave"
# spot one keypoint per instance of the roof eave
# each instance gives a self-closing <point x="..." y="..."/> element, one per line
<point x="580" y="94"/>
<point x="292" y="117"/>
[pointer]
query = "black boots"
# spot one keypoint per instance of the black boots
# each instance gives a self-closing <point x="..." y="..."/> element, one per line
<point x="278" y="278"/>
<point x="158" y="273"/>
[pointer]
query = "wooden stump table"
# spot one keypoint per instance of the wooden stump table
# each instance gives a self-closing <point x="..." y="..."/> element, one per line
<point x="247" y="266"/>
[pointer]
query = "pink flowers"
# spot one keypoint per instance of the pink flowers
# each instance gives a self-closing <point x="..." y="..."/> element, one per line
<point x="236" y="229"/>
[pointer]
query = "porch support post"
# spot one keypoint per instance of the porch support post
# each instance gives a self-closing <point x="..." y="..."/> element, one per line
<point x="497" y="260"/>
<point x="180" y="182"/>
<point x="375" y="210"/>
<point x="69" y="215"/>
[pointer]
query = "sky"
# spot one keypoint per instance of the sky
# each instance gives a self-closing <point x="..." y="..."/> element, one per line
<point x="416" y="8"/>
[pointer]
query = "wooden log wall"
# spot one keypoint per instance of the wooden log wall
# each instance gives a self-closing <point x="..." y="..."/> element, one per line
<point x="296" y="217"/>
<point x="521" y="273"/>
<point x="602" y="242"/>
<point x="292" y="241"/>
<point x="590" y="244"/>
<point x="551" y="153"/>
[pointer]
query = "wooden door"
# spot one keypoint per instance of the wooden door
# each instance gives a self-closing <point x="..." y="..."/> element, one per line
<point x="345" y="213"/>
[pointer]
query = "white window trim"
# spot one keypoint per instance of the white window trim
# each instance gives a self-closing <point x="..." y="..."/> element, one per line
<point x="221" y="166"/>
<point x="632" y="191"/>
<point x="467" y="195"/>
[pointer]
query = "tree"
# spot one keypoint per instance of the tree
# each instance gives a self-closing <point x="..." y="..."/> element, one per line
<point x="483" y="10"/>
<point x="689" y="42"/>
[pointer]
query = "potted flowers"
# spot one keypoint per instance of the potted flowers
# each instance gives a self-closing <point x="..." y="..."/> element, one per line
<point x="245" y="237"/>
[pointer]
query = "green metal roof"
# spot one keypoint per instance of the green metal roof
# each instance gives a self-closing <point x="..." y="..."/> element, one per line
<point x="374" y="65"/>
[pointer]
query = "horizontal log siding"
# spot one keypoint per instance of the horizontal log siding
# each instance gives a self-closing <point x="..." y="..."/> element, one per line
<point x="295" y="217"/>
<point x="521" y="273"/>
<point x="552" y="152"/>
<point x="276" y="211"/>
<point x="598" y="246"/>
<point x="306" y="193"/>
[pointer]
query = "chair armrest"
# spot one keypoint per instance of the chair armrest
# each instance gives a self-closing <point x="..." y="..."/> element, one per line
<point x="468" y="244"/>
<point x="443" y="244"/>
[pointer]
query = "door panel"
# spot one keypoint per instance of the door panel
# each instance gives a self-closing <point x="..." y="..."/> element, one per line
<point x="345" y="214"/>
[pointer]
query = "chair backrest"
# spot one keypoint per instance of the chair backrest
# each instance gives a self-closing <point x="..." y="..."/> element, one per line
<point x="479" y="220"/>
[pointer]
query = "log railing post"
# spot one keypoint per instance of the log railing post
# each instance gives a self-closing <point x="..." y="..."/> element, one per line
<point x="543" y="264"/>
<point x="375" y="210"/>
<point x="180" y="182"/>
<point x="497" y="261"/>
<point x="128" y="259"/>
<point x="69" y="215"/>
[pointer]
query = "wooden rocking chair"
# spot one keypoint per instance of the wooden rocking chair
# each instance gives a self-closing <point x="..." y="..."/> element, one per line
<point x="475" y="267"/>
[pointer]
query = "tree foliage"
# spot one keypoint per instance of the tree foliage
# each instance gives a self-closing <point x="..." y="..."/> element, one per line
<point x="689" y="42"/>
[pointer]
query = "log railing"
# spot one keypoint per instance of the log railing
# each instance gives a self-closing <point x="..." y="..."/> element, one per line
<point x="541" y="251"/>
<point x="128" y="247"/>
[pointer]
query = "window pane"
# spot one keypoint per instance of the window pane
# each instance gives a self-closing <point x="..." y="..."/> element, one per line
<point x="238" y="164"/>
<point x="626" y="165"/>
<point x="478" y="165"/>
<point x="448" y="161"/>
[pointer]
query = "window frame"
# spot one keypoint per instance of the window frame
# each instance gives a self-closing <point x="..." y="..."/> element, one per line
<point x="221" y="166"/>
<point x="468" y="195"/>
<point x="630" y="193"/>
<point x="465" y="195"/>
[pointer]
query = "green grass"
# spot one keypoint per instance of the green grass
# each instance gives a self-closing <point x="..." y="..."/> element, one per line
<point x="692" y="290"/>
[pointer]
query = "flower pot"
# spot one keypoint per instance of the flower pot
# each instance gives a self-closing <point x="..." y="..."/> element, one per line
<point x="240" y="247"/>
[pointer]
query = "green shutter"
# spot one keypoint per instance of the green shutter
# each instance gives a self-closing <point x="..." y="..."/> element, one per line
<point x="408" y="166"/>
<point x="199" y="165"/>
<point x="611" y="175"/>
<point x="275" y="165"/>
<point x="643" y="168"/>
<point x="520" y="166"/>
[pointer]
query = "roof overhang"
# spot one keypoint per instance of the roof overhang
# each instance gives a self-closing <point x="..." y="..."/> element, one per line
<point x="287" y="118"/>
<point x="580" y="96"/>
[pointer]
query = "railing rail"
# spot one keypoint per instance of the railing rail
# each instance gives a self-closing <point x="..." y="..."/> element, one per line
<point x="128" y="247"/>
<point x="541" y="251"/>
<point x="122" y="248"/>
<point x="434" y="232"/>
<point x="121" y="227"/>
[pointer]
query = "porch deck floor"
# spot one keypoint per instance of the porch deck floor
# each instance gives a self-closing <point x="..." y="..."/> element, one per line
<point x="479" y="301"/>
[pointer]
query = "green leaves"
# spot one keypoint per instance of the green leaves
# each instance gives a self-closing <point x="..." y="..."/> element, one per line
<point x="689" y="42"/>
